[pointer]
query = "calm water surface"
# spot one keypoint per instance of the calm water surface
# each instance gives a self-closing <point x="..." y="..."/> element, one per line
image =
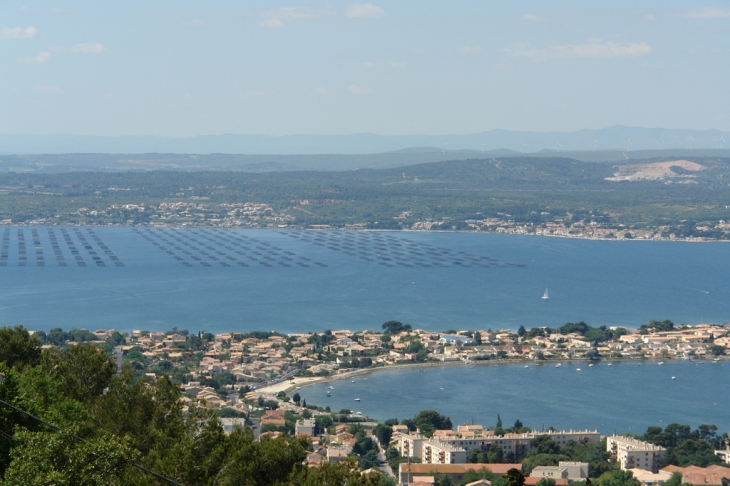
<point x="624" y="397"/>
<point x="242" y="280"/>
<point x="600" y="282"/>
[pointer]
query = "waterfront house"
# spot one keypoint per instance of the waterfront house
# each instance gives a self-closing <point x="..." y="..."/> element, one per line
<point x="453" y="340"/>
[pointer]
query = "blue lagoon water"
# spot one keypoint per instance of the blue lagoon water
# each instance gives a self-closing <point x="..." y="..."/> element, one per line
<point x="300" y="281"/>
<point x="311" y="281"/>
<point x="623" y="397"/>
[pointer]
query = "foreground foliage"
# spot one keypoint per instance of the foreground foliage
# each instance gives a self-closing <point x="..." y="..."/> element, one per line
<point x="104" y="433"/>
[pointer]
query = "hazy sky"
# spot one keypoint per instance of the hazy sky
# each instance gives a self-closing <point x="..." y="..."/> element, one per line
<point x="181" y="68"/>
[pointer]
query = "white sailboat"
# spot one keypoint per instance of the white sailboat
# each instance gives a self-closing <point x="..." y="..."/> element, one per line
<point x="545" y="295"/>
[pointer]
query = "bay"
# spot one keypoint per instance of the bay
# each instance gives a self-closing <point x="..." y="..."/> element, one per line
<point x="624" y="397"/>
<point x="308" y="281"/>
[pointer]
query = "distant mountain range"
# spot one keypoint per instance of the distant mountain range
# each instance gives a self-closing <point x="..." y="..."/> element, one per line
<point x="496" y="142"/>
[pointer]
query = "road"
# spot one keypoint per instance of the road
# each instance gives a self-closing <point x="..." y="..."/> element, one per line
<point x="382" y="463"/>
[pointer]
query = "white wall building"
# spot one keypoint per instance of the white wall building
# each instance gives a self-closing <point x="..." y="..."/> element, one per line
<point x="304" y="427"/>
<point x="564" y="469"/>
<point x="635" y="454"/>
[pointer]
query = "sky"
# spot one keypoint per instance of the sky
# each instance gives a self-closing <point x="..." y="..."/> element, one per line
<point x="185" y="68"/>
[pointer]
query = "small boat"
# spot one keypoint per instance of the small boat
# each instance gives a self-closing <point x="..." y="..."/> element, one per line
<point x="559" y="365"/>
<point x="590" y="364"/>
<point x="545" y="295"/>
<point x="329" y="394"/>
<point x="353" y="381"/>
<point x="577" y="369"/>
<point x="526" y="366"/>
<point x="357" y="399"/>
<point x="674" y="377"/>
<point x="661" y="363"/>
<point x="609" y="364"/>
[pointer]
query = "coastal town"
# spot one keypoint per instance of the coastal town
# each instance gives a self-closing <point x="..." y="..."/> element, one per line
<point x="262" y="357"/>
<point x="269" y="359"/>
<point x="202" y="213"/>
<point x="254" y="380"/>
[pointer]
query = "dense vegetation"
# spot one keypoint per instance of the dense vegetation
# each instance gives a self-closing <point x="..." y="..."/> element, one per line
<point x="91" y="427"/>
<point x="525" y="190"/>
<point x="68" y="419"/>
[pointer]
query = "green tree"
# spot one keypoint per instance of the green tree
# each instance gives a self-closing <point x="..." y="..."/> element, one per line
<point x="434" y="419"/>
<point x="224" y="379"/>
<point x="18" y="348"/>
<point x="56" y="458"/>
<point x="321" y="424"/>
<point x="83" y="370"/>
<point x="675" y="480"/>
<point x="477" y="456"/>
<point x="414" y="346"/>
<point x="617" y="478"/>
<point x="495" y="455"/>
<point x="544" y="444"/>
<point x="383" y="433"/>
<point x="546" y="482"/>
<point x="541" y="459"/>
<point x="716" y="350"/>
<point x="514" y="477"/>
<point x="395" y="327"/>
<point x="442" y="480"/>
<point x="116" y="339"/>
<point x="57" y="336"/>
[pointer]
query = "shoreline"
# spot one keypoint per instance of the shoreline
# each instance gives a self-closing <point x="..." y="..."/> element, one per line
<point x="302" y="382"/>
<point x="407" y="230"/>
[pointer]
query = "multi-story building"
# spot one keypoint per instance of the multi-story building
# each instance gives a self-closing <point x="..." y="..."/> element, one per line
<point x="430" y="451"/>
<point x="519" y="444"/>
<point x="724" y="455"/>
<point x="470" y="437"/>
<point x="439" y="452"/>
<point x="632" y="453"/>
<point x="304" y="427"/>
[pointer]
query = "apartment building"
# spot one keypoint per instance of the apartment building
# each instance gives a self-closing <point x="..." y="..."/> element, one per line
<point x="469" y="437"/>
<point x="633" y="453"/>
<point x="439" y="452"/>
<point x="519" y="444"/>
<point x="430" y="450"/>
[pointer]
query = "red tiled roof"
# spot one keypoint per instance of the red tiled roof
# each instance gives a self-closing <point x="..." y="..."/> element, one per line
<point x="459" y="468"/>
<point x="530" y="481"/>
<point x="701" y="475"/>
